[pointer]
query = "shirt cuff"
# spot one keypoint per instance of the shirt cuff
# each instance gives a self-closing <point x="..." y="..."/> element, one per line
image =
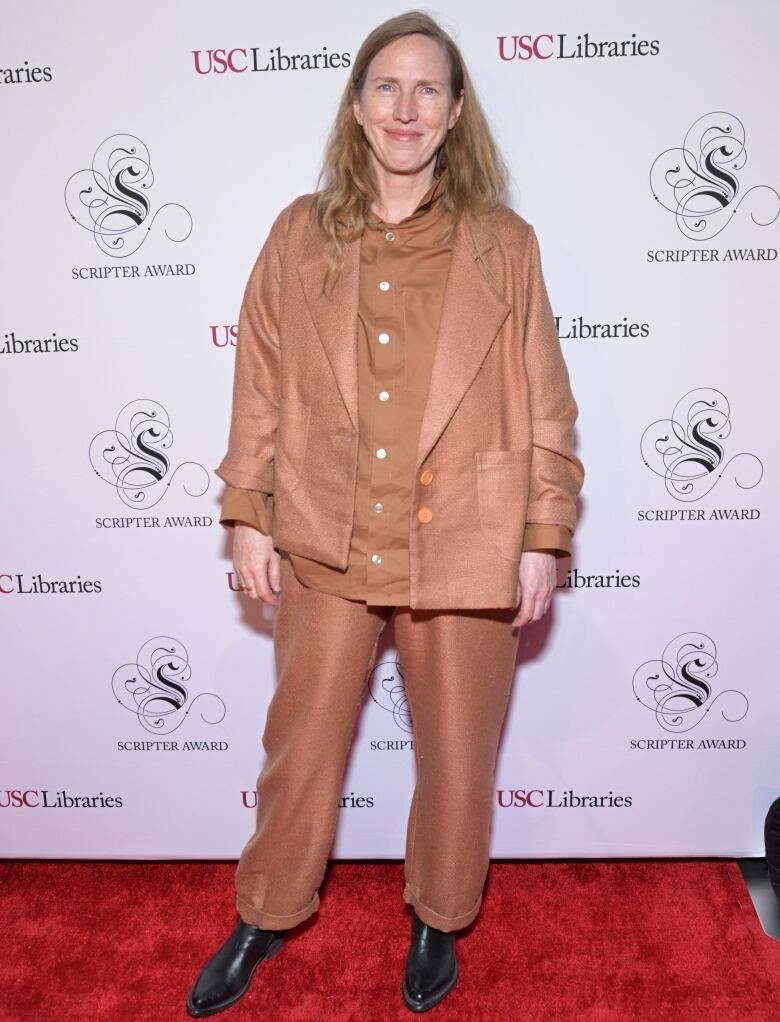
<point x="250" y="507"/>
<point x="553" y="538"/>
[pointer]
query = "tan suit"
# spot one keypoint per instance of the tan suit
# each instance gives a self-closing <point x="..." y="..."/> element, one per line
<point x="470" y="454"/>
<point x="495" y="438"/>
<point x="397" y="331"/>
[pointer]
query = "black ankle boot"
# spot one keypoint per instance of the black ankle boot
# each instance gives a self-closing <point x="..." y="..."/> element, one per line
<point x="225" y="977"/>
<point x="431" y="966"/>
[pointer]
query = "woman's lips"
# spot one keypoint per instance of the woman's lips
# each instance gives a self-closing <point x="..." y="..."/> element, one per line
<point x="404" y="136"/>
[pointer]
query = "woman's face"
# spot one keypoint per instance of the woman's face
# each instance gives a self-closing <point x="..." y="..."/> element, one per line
<point x="405" y="106"/>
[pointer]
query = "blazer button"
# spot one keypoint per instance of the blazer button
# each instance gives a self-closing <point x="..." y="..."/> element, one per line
<point x="425" y="514"/>
<point x="426" y="477"/>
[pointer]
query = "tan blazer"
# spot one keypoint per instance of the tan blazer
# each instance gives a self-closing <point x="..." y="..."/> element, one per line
<point x="497" y="430"/>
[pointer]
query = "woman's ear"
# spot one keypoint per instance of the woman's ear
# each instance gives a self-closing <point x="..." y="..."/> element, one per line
<point x="358" y="113"/>
<point x="458" y="106"/>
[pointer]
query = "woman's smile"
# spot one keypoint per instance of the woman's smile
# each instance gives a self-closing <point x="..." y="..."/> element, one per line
<point x="403" y="136"/>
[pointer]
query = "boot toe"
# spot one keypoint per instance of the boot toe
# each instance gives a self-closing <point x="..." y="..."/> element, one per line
<point x="205" y="997"/>
<point x="420" y="995"/>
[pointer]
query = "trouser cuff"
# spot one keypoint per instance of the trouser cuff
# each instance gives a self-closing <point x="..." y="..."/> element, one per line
<point x="433" y="918"/>
<point x="268" y="921"/>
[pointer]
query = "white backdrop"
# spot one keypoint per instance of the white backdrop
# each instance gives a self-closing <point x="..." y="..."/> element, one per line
<point x="138" y="188"/>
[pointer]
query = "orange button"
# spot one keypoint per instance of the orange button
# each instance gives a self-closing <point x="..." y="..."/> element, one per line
<point x="426" y="477"/>
<point x="425" y="514"/>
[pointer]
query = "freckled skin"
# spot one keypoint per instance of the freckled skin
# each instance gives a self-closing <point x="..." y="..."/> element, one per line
<point x="406" y="89"/>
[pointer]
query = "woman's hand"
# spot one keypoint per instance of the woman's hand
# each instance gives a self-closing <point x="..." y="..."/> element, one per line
<point x="537" y="578"/>
<point x="257" y="563"/>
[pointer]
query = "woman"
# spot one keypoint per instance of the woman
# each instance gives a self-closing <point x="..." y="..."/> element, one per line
<point x="401" y="443"/>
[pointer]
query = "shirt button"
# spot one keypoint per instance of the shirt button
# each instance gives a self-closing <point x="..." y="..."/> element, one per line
<point x="381" y="452"/>
<point x="425" y="514"/>
<point x="426" y="477"/>
<point x="389" y="235"/>
<point x="379" y="507"/>
<point x="376" y="558"/>
<point x="384" y="285"/>
<point x="384" y="395"/>
<point x="384" y="338"/>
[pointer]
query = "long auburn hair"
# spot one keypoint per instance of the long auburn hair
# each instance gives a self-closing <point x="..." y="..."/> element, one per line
<point x="477" y="174"/>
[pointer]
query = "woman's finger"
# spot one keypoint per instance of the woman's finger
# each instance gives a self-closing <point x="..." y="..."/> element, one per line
<point x="258" y="581"/>
<point x="275" y="571"/>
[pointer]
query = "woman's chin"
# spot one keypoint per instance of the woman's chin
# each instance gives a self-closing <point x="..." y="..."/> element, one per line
<point x="395" y="163"/>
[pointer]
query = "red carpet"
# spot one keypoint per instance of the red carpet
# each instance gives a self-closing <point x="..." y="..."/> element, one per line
<point x="607" y="941"/>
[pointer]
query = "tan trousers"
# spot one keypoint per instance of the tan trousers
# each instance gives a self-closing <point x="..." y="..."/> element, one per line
<point x="458" y="668"/>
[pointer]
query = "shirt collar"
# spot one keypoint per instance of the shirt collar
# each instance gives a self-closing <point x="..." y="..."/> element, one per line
<point x="429" y="200"/>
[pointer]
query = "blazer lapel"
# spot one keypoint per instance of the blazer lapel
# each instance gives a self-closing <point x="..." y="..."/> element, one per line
<point x="472" y="315"/>
<point x="335" y="316"/>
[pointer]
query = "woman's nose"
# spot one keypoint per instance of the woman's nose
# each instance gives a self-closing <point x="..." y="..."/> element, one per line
<point x="406" y="108"/>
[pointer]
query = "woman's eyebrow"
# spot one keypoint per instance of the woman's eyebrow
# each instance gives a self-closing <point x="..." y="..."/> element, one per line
<point x="421" y="81"/>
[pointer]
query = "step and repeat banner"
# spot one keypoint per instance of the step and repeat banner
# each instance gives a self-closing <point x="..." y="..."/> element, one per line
<point x="145" y="159"/>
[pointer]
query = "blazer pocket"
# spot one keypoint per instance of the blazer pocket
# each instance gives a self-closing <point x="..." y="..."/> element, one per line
<point x="503" y="485"/>
<point x="291" y="443"/>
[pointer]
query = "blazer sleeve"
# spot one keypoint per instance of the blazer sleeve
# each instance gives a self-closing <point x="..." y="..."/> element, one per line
<point x="249" y="461"/>
<point x="557" y="474"/>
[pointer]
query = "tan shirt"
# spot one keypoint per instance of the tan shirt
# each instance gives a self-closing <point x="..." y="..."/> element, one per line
<point x="403" y="273"/>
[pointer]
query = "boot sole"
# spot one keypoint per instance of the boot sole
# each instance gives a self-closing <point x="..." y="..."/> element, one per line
<point x="273" y="949"/>
<point x="416" y="1006"/>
